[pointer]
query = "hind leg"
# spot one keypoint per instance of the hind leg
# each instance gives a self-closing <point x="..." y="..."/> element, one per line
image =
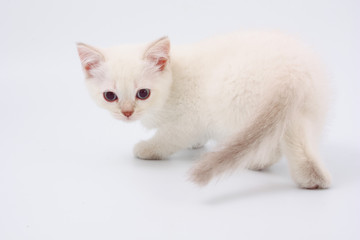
<point x="271" y="159"/>
<point x="300" y="148"/>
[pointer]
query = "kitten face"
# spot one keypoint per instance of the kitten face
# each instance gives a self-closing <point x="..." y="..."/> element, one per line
<point x="128" y="81"/>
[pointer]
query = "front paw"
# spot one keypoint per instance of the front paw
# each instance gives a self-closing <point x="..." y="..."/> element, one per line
<point x="148" y="151"/>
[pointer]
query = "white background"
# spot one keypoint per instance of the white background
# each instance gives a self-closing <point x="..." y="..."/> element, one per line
<point x="66" y="166"/>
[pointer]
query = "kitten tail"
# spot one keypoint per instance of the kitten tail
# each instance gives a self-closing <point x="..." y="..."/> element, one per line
<point x="268" y="124"/>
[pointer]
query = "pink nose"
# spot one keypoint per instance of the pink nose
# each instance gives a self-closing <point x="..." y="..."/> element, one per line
<point x="128" y="113"/>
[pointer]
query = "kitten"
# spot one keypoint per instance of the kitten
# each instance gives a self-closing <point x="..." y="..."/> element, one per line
<point x="259" y="94"/>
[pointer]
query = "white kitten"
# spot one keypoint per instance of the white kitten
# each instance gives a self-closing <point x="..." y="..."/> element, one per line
<point x="260" y="94"/>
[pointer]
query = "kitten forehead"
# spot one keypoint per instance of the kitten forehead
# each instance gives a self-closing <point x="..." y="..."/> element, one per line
<point x="124" y="57"/>
<point x="125" y="65"/>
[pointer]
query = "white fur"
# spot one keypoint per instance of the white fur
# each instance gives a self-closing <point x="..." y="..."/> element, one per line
<point x="215" y="89"/>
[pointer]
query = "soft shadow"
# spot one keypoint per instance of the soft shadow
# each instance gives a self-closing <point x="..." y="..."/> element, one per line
<point x="187" y="155"/>
<point x="343" y="163"/>
<point x="250" y="193"/>
<point x="150" y="163"/>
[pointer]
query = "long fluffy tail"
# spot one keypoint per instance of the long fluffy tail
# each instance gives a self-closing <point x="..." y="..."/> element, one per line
<point x="268" y="124"/>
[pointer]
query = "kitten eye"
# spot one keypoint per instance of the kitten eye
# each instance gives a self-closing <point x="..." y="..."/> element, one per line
<point x="143" y="94"/>
<point x="110" y="96"/>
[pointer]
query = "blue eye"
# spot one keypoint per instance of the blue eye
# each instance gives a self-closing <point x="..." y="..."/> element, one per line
<point x="143" y="94"/>
<point x="110" y="96"/>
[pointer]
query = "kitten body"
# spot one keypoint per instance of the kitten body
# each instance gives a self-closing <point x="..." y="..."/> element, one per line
<point x="259" y="94"/>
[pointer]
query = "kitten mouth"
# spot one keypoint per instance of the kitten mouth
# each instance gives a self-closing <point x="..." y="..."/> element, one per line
<point x="121" y="117"/>
<point x="128" y="119"/>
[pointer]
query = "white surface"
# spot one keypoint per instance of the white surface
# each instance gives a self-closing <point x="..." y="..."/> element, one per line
<point x="66" y="167"/>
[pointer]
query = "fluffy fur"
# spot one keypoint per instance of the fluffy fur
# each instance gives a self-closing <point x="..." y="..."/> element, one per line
<point x="259" y="94"/>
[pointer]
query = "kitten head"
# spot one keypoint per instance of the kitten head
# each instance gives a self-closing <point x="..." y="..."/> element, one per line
<point x="129" y="81"/>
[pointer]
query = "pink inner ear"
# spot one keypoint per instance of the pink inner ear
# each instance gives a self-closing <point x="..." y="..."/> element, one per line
<point x="161" y="63"/>
<point x="157" y="54"/>
<point x="90" y="65"/>
<point x="90" y="58"/>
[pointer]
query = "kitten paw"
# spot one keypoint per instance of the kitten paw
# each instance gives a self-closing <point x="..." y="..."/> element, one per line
<point x="312" y="176"/>
<point x="147" y="151"/>
<point x="257" y="167"/>
<point x="197" y="146"/>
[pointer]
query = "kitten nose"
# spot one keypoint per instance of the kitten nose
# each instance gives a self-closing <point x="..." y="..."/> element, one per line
<point x="128" y="113"/>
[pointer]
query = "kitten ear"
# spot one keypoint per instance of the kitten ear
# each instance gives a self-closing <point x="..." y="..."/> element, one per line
<point x="91" y="58"/>
<point x="157" y="54"/>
